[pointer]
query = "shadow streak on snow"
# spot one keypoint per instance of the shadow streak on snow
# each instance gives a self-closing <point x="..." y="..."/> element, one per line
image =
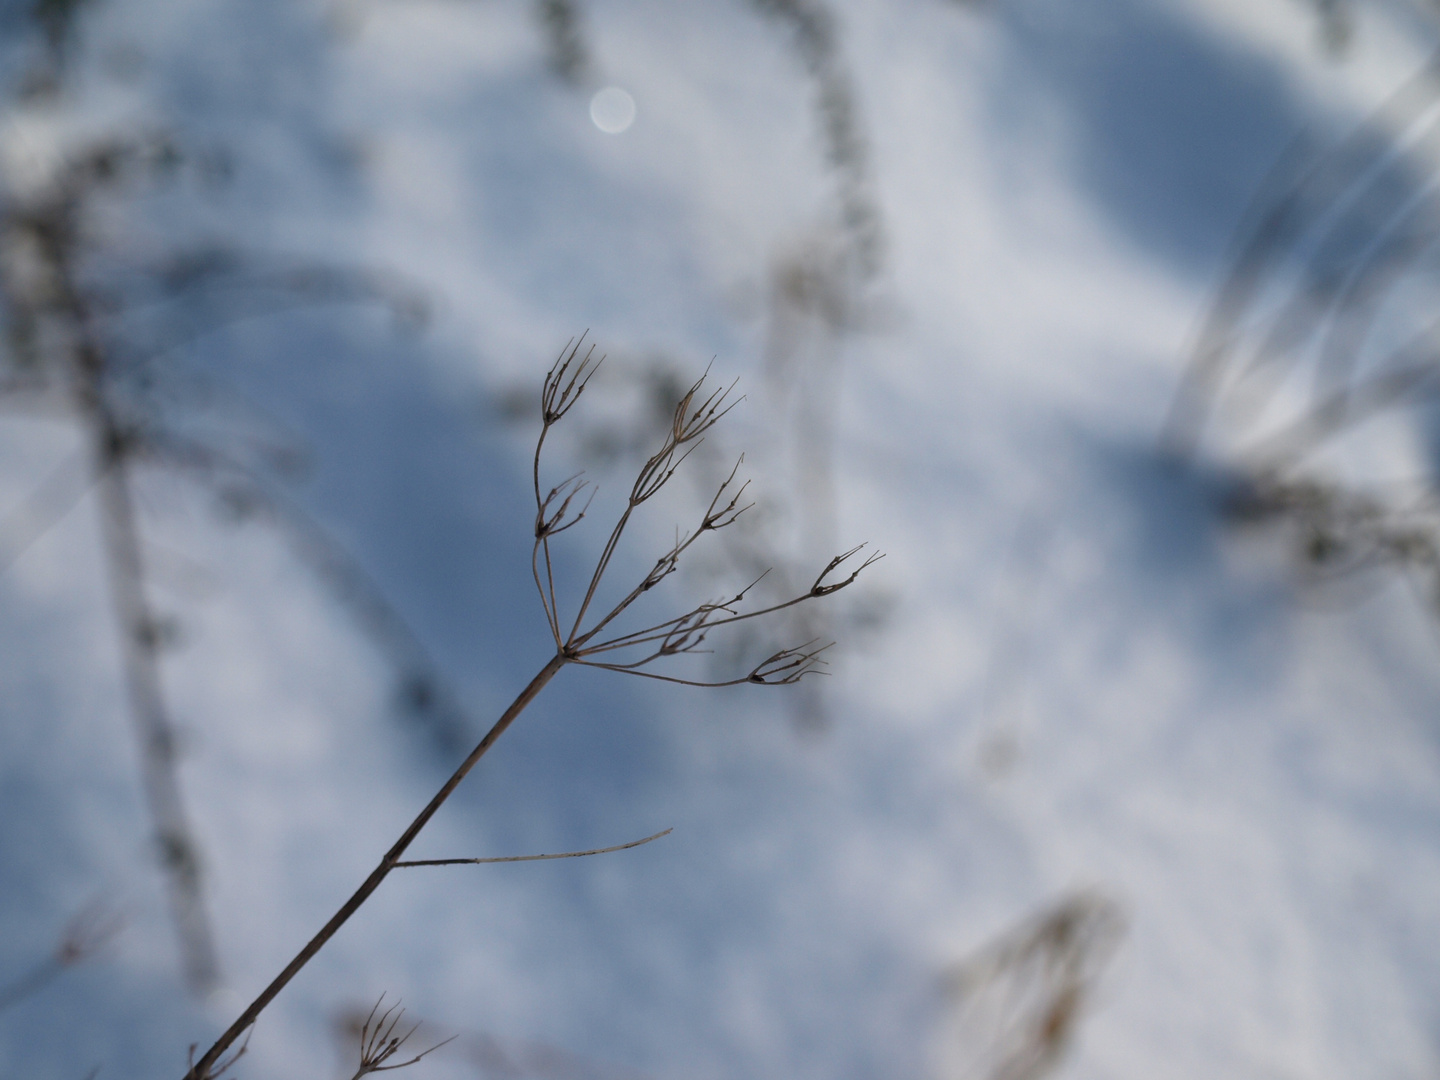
<point x="1172" y="128"/>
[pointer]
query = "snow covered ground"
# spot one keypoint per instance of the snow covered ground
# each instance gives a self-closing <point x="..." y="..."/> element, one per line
<point x="1077" y="676"/>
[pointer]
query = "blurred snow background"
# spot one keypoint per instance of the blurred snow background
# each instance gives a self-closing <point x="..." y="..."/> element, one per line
<point x="1068" y="674"/>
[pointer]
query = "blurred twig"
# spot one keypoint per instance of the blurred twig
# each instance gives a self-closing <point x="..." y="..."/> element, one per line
<point x="85" y="934"/>
<point x="89" y="328"/>
<point x="1018" y="1001"/>
<point x="44" y="242"/>
<point x="1321" y="342"/>
<point x="561" y="22"/>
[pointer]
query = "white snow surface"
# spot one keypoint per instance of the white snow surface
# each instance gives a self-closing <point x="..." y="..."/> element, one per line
<point x="1252" y="775"/>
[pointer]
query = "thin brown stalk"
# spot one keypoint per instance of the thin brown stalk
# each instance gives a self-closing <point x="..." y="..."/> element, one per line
<point x="690" y="424"/>
<point x="538" y="858"/>
<point x="561" y="391"/>
<point x="371" y="883"/>
<point x="224" y="1063"/>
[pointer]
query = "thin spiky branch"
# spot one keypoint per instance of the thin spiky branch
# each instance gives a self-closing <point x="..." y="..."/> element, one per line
<point x="821" y="588"/>
<point x="716" y="517"/>
<point x="689" y="425"/>
<point x="780" y="668"/>
<point x="379" y="1043"/>
<point x="564" y="383"/>
<point x="706" y="614"/>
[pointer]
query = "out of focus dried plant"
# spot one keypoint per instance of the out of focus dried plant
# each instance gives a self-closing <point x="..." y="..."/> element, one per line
<point x="1016" y="1004"/>
<point x="83" y="936"/>
<point x="1338" y="22"/>
<point x="814" y="34"/>
<point x="97" y="318"/>
<point x="822" y="288"/>
<point x="57" y="22"/>
<point x="1316" y="373"/>
<point x="564" y="39"/>
<point x="81" y="346"/>
<point x="1335" y="25"/>
<point x="57" y="351"/>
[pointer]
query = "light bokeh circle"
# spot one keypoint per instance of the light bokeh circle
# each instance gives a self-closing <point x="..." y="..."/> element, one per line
<point x="612" y="110"/>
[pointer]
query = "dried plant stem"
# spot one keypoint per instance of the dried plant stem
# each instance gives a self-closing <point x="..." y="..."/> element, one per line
<point x="556" y="512"/>
<point x="200" y="1070"/>
<point x="538" y="858"/>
